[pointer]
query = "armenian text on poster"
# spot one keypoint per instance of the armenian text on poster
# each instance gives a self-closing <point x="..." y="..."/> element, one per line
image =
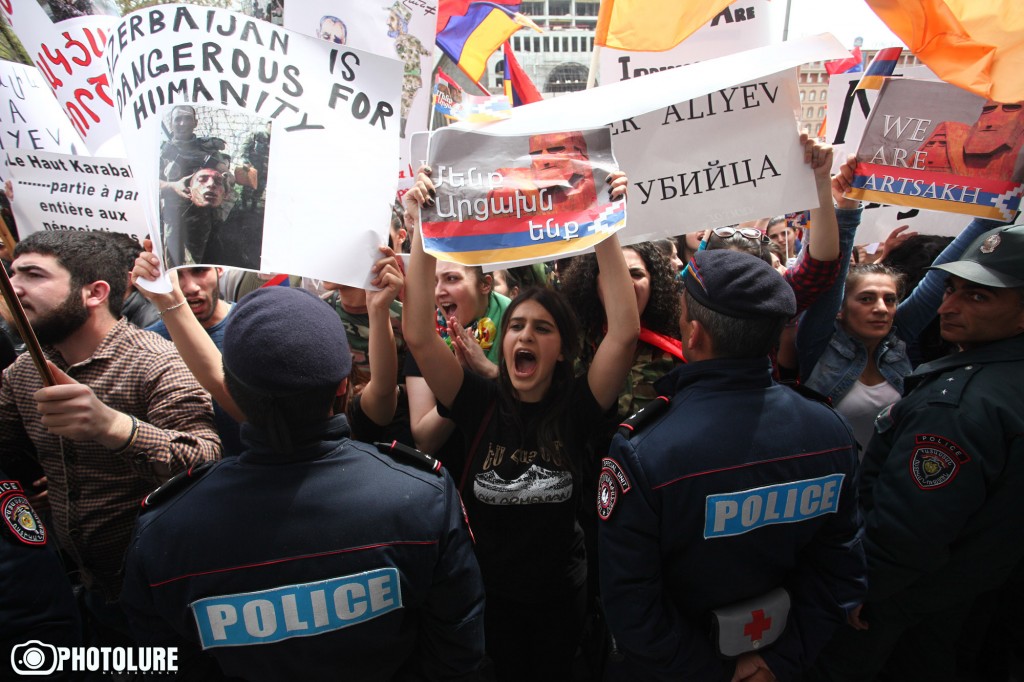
<point x="513" y="198"/>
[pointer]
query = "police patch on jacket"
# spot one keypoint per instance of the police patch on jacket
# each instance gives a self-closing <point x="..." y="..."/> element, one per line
<point x="611" y="481"/>
<point x="19" y="517"/>
<point x="936" y="461"/>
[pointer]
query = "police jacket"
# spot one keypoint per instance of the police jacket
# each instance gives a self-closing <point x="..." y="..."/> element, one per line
<point x="942" y="480"/>
<point x="336" y="562"/>
<point x="740" y="486"/>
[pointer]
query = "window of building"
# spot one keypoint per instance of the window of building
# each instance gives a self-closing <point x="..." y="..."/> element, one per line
<point x="821" y="110"/>
<point x="802" y="94"/>
<point x="824" y="94"/>
<point x="812" y="95"/>
<point x="567" y="77"/>
<point x="810" y="112"/>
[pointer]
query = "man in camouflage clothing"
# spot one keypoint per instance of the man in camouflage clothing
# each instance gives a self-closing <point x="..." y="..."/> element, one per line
<point x="410" y="50"/>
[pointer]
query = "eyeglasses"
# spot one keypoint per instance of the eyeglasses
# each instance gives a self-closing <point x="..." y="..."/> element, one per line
<point x="748" y="232"/>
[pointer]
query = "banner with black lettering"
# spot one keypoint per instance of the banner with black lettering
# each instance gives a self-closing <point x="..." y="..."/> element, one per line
<point x="514" y="198"/>
<point x="400" y="29"/>
<point x="733" y="153"/>
<point x="55" y="192"/>
<point x="933" y="145"/>
<point x="67" y="43"/>
<point x="30" y="117"/>
<point x="255" y="146"/>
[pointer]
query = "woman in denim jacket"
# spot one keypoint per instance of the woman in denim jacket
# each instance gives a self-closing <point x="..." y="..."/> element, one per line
<point x="838" y="355"/>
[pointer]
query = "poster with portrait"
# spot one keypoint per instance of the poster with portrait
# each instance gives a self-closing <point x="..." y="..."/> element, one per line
<point x="67" y="42"/>
<point x="514" y="198"/>
<point x="257" y="147"/>
<point x="933" y="145"/>
<point x="399" y="29"/>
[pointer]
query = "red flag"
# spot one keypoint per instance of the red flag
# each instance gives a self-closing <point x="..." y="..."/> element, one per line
<point x="446" y="9"/>
<point x="518" y="87"/>
<point x="849" y="64"/>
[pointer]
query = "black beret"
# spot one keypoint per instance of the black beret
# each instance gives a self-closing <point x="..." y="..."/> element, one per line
<point x="283" y="340"/>
<point x="739" y="285"/>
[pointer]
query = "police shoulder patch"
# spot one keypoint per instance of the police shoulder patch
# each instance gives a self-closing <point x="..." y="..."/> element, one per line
<point x="607" y="494"/>
<point x="19" y="517"/>
<point x="612" y="466"/>
<point x="935" y="461"/>
<point x="644" y="416"/>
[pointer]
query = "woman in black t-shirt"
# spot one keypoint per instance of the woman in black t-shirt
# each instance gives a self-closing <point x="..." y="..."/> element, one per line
<point x="525" y="440"/>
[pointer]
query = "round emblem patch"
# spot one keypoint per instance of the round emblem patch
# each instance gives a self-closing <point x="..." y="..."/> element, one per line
<point x="932" y="468"/>
<point x="607" y="494"/>
<point x="991" y="244"/>
<point x="21" y="519"/>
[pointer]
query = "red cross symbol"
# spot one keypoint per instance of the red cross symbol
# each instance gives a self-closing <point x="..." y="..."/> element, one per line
<point x="756" y="627"/>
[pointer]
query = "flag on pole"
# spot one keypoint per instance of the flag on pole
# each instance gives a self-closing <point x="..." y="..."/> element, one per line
<point x="974" y="45"/>
<point x="652" y="25"/>
<point x="880" y="68"/>
<point x="850" y="64"/>
<point x="469" y="40"/>
<point x="518" y="87"/>
<point x="822" y="128"/>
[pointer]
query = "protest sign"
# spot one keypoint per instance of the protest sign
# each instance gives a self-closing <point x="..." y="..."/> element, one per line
<point x="60" y="192"/>
<point x="70" y="56"/>
<point x="512" y="198"/>
<point x="736" y="129"/>
<point x="327" y="113"/>
<point x="934" y="145"/>
<point x="30" y="117"/>
<point x="400" y="29"/>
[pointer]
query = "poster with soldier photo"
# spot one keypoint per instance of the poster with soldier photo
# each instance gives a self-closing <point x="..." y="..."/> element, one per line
<point x="214" y="166"/>
<point x="933" y="145"/>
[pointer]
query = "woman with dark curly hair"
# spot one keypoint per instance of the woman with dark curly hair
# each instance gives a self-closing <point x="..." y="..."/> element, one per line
<point x="657" y="296"/>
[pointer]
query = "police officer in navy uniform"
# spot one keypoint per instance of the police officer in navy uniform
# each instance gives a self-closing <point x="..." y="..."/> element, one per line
<point x="36" y="602"/>
<point x="730" y="542"/>
<point x="309" y="556"/>
<point x="942" y="480"/>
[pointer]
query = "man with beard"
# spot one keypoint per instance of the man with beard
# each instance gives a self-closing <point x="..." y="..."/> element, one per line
<point x="124" y="416"/>
<point x="201" y="288"/>
<point x="187" y="232"/>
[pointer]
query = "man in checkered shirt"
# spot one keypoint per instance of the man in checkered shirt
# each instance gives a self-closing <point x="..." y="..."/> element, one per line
<point x="124" y="416"/>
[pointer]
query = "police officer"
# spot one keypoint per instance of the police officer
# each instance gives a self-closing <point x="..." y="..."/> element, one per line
<point x="730" y="543"/>
<point x="36" y="602"/>
<point x="309" y="556"/>
<point x="942" y="479"/>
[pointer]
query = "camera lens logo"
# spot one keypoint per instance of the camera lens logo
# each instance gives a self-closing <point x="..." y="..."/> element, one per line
<point x="34" y="658"/>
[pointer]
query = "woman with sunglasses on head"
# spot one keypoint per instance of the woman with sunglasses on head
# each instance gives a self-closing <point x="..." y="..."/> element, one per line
<point x="852" y="342"/>
<point x="817" y="265"/>
<point x="526" y="430"/>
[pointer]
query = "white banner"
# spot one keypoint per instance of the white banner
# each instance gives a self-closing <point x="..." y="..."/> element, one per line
<point x="400" y="29"/>
<point x="319" y="202"/>
<point x="70" y="57"/>
<point x="61" y="192"/>
<point x="30" y="117"/>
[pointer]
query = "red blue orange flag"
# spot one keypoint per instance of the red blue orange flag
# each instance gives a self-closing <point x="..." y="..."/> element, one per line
<point x="850" y="64"/>
<point x="518" y="87"/>
<point x="880" y="68"/>
<point x="469" y="40"/>
<point x="446" y="9"/>
<point x="652" y="25"/>
<point x="974" y="45"/>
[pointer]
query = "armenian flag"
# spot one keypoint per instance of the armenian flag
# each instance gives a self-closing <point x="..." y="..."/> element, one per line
<point x="850" y="64"/>
<point x="881" y="67"/>
<point x="518" y="87"/>
<point x="469" y="40"/>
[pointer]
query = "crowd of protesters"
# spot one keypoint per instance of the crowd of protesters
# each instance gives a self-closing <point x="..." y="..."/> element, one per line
<point x="734" y="455"/>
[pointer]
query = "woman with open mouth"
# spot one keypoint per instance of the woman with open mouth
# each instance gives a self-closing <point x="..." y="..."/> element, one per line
<point x="526" y="433"/>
